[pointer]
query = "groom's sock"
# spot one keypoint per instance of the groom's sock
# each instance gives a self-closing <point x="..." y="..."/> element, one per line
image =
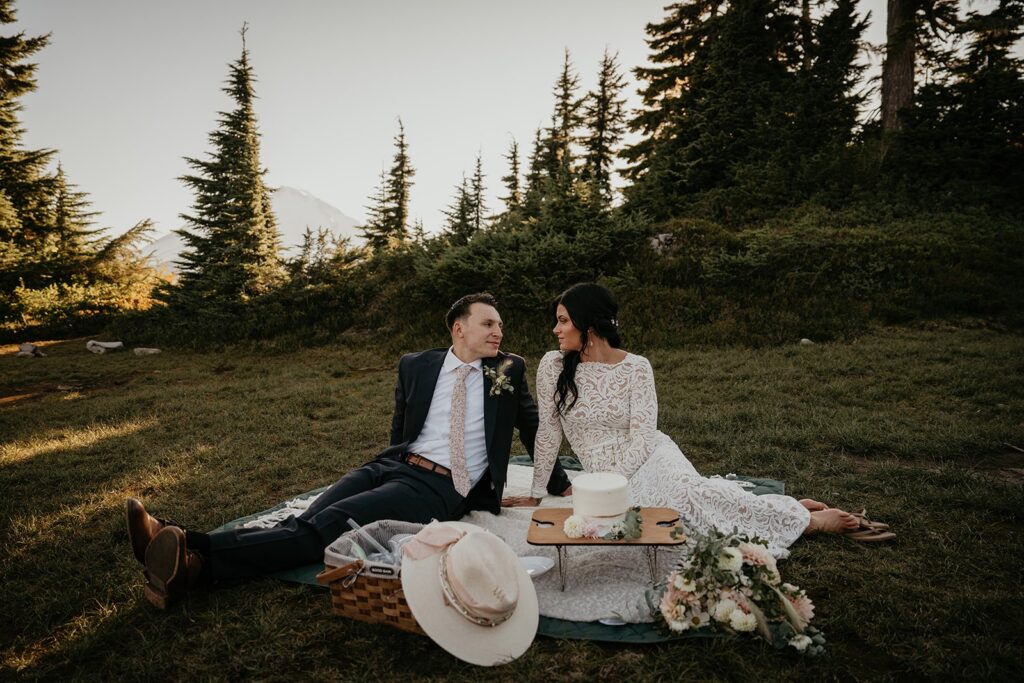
<point x="197" y="541"/>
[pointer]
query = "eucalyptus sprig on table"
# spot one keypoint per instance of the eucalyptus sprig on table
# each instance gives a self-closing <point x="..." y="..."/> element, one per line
<point x="628" y="529"/>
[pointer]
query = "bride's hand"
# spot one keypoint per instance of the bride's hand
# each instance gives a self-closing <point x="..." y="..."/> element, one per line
<point x="520" y="502"/>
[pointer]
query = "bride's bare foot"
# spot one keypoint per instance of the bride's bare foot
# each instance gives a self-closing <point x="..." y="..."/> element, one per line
<point x="831" y="521"/>
<point x="812" y="505"/>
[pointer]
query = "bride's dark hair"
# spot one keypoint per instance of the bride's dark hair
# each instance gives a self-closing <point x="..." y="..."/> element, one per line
<point x="590" y="307"/>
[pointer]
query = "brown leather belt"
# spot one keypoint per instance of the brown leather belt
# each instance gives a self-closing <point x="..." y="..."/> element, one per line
<point x="423" y="463"/>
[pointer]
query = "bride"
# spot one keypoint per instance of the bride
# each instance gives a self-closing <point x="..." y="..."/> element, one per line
<point x="603" y="400"/>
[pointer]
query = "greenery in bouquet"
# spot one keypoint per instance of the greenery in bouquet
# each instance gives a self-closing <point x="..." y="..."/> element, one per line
<point x="730" y="583"/>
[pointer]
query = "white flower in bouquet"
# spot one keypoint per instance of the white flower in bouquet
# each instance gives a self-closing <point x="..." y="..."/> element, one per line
<point x="742" y="622"/>
<point x="731" y="559"/>
<point x="574" y="526"/>
<point x="678" y="625"/>
<point x="681" y="583"/>
<point x="699" y="619"/>
<point x="800" y="642"/>
<point x="724" y="610"/>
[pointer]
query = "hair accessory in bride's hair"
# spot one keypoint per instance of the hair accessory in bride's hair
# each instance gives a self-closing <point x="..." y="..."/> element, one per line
<point x="615" y="323"/>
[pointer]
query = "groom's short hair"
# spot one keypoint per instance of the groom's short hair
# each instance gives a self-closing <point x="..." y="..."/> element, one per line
<point x="460" y="309"/>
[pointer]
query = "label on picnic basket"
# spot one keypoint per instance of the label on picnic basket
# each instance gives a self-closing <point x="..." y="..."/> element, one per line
<point x="386" y="571"/>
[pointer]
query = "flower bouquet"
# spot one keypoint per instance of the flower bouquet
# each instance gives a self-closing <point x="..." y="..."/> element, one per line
<point x="730" y="583"/>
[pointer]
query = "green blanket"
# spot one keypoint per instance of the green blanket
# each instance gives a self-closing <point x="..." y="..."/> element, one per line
<point x="554" y="628"/>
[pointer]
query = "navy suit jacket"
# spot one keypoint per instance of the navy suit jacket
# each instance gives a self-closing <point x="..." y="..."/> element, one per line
<point x="417" y="377"/>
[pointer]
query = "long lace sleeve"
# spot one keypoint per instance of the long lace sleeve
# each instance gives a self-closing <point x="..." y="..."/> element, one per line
<point x="549" y="427"/>
<point x="643" y="419"/>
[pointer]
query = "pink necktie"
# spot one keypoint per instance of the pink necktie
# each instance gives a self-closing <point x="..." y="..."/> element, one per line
<point x="457" y="432"/>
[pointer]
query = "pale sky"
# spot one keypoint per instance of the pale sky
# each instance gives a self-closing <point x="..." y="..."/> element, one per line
<point x="129" y="87"/>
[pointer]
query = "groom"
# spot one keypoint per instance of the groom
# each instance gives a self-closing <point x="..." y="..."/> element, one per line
<point x="450" y="439"/>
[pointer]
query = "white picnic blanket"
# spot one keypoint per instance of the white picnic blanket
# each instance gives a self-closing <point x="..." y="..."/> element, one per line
<point x="603" y="582"/>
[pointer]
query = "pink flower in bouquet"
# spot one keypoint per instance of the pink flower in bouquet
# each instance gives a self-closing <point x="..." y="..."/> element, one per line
<point x="670" y="608"/>
<point x="758" y="555"/>
<point x="591" y="531"/>
<point x="803" y="606"/>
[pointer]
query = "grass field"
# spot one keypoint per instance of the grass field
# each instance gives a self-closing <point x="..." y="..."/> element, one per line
<point x="918" y="425"/>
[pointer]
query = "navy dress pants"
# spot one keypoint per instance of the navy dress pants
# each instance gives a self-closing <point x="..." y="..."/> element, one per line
<point x="385" y="488"/>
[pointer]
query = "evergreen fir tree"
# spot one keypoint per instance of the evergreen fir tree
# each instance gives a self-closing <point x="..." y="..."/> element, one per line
<point x="677" y="44"/>
<point x="232" y="250"/>
<point x="513" y="193"/>
<point x="552" y="165"/>
<point x="718" y="106"/>
<point x="311" y="265"/>
<point x="419" y="234"/>
<point x="965" y="135"/>
<point x="122" y="260"/>
<point x="70" y="243"/>
<point x="605" y="119"/>
<point x="533" y="196"/>
<point x="388" y="223"/>
<point x="11" y="253"/>
<point x="398" y="184"/>
<point x="26" y="186"/>
<point x="551" y="190"/>
<point x="376" y="231"/>
<point x="460" y="216"/>
<point x="566" y="118"/>
<point x="826" y="102"/>
<point x="478" y="205"/>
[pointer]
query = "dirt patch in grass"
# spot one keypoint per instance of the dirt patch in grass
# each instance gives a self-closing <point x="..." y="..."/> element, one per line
<point x="1008" y="466"/>
<point x="10" y="395"/>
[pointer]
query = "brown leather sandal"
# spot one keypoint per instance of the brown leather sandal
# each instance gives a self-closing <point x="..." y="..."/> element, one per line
<point x="866" y="524"/>
<point x="872" y="536"/>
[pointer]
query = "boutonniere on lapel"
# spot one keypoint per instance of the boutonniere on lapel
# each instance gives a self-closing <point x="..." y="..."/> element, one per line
<point x="500" y="381"/>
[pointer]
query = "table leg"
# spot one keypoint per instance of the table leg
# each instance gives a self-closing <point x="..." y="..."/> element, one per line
<point x="563" y="562"/>
<point x="651" y="551"/>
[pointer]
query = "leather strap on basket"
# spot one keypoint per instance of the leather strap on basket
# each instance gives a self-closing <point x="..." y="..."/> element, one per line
<point x="331" y="574"/>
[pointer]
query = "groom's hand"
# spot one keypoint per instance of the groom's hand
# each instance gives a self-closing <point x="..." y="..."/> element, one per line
<point x="567" y="491"/>
<point x="520" y="502"/>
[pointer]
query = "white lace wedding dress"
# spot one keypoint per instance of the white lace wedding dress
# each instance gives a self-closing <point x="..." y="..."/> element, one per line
<point x="613" y="427"/>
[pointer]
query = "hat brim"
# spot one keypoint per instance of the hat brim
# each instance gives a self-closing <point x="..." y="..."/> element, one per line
<point x="481" y="645"/>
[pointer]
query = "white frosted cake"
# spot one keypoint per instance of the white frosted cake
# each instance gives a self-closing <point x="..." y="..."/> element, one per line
<point x="601" y="497"/>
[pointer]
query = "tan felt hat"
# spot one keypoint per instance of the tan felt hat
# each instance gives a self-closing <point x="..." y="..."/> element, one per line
<point x="470" y="594"/>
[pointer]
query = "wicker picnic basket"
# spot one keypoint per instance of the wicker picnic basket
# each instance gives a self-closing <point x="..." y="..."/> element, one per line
<point x="366" y="591"/>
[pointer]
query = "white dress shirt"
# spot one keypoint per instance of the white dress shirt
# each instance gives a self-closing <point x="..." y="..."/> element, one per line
<point x="432" y="442"/>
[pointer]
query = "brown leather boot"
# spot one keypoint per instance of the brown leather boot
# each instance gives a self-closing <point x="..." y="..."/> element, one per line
<point x="171" y="569"/>
<point x="142" y="527"/>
